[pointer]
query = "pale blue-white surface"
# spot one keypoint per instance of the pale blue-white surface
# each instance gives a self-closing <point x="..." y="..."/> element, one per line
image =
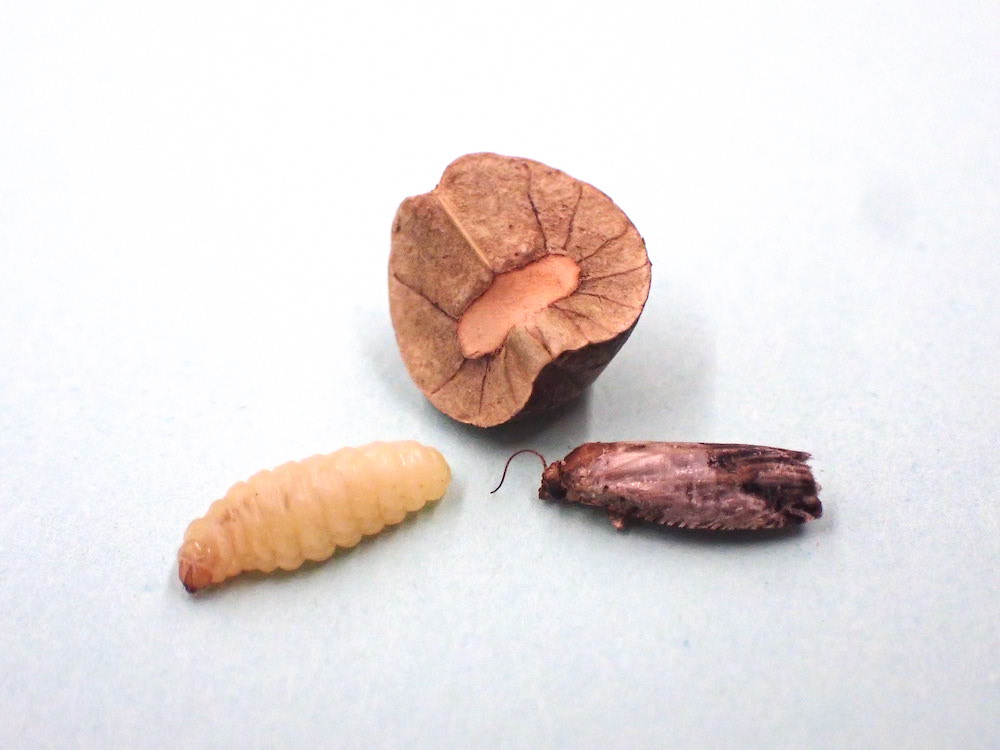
<point x="195" y="201"/>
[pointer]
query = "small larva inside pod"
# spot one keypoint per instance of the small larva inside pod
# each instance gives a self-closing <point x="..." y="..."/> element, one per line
<point x="511" y="287"/>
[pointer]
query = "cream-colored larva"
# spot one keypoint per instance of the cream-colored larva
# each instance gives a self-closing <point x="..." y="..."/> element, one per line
<point x="305" y="510"/>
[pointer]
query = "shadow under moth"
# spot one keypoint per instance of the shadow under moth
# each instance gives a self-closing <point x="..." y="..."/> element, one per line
<point x="691" y="485"/>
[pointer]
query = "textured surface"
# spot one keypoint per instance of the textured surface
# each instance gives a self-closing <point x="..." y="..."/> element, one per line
<point x="493" y="214"/>
<point x="305" y="510"/>
<point x="715" y="486"/>
<point x="195" y="200"/>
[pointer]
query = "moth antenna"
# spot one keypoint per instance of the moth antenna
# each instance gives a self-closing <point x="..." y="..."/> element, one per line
<point x="512" y="457"/>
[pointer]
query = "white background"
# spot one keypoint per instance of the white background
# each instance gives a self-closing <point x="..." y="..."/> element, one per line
<point x="195" y="202"/>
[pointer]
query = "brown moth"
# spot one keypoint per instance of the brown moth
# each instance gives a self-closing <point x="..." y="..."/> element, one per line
<point x="690" y="485"/>
<point x="511" y="287"/>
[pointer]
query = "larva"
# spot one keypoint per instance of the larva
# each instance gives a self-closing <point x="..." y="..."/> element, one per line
<point x="691" y="485"/>
<point x="305" y="510"/>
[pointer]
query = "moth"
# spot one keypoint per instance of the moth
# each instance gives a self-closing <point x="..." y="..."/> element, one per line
<point x="690" y="485"/>
<point x="306" y="510"/>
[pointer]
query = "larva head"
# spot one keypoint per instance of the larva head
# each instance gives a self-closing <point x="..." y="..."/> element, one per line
<point x="196" y="562"/>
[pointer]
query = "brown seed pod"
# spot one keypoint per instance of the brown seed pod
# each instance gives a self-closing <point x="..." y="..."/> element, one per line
<point x="511" y="287"/>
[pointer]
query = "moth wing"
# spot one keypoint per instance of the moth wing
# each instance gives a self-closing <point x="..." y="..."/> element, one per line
<point x="629" y="469"/>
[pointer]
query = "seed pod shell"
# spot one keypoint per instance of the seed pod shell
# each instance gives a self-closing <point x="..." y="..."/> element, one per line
<point x="511" y="287"/>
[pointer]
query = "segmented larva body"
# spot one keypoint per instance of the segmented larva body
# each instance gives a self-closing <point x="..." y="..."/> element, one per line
<point x="305" y="510"/>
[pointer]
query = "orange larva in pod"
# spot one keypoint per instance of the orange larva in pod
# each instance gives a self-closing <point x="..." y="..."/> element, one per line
<point x="306" y="510"/>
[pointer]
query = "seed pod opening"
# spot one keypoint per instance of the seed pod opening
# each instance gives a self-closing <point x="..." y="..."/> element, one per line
<point x="511" y="287"/>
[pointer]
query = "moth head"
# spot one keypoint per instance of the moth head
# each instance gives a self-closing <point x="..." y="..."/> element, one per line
<point x="552" y="484"/>
<point x="196" y="561"/>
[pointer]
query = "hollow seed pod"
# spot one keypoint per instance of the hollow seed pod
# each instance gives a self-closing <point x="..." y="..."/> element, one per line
<point x="305" y="510"/>
<point x="690" y="485"/>
<point x="511" y="287"/>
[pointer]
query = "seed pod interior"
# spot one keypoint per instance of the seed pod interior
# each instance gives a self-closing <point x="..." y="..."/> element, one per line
<point x="511" y="286"/>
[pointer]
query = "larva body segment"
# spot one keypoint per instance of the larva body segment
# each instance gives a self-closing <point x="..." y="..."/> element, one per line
<point x="306" y="510"/>
<point x="692" y="485"/>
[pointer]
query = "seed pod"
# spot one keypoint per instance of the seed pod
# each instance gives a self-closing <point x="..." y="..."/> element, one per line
<point x="691" y="485"/>
<point x="305" y="510"/>
<point x="511" y="287"/>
